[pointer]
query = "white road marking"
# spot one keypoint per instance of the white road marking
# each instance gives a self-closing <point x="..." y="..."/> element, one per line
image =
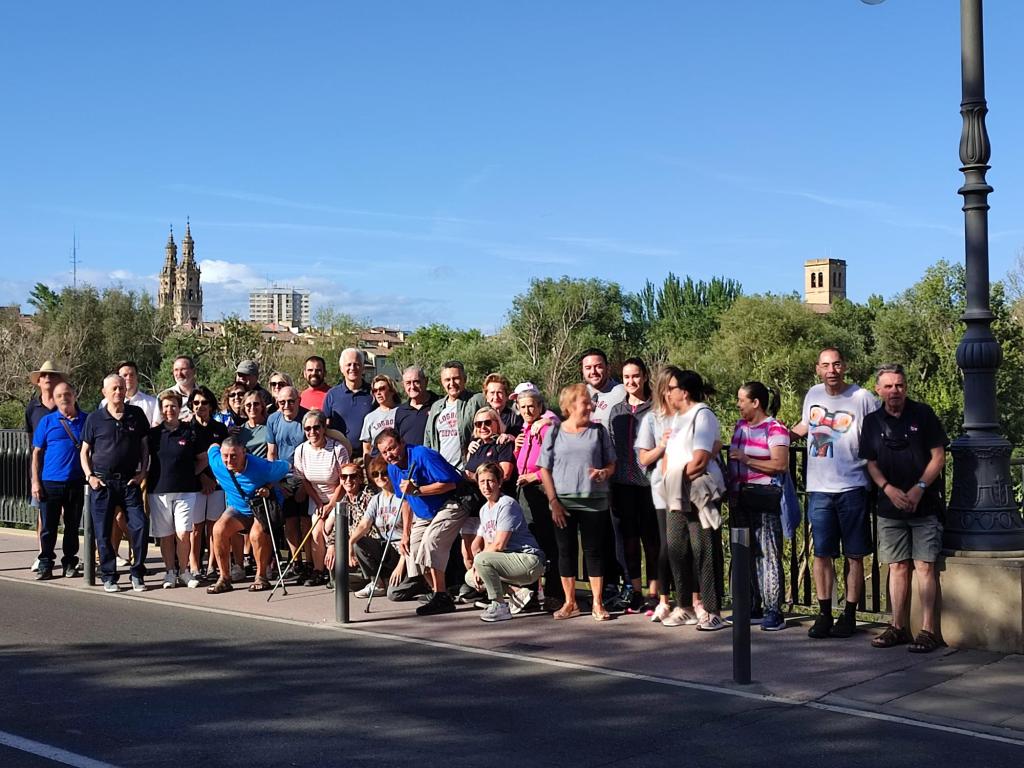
<point x="56" y="754"/>
<point x="621" y="674"/>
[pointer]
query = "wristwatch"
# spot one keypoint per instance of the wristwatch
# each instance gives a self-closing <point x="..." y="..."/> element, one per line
<point x="922" y="485"/>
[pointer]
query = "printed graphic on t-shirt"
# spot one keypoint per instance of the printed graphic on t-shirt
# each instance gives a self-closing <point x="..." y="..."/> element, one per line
<point x="825" y="429"/>
<point x="448" y="424"/>
<point x="488" y="529"/>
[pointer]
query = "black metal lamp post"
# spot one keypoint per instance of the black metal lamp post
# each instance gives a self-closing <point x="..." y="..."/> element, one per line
<point x="983" y="517"/>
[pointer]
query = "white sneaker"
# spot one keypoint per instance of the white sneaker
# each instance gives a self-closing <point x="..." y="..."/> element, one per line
<point x="496" y="611"/>
<point x="122" y="563"/>
<point x="370" y="589"/>
<point x="519" y="599"/>
<point x="237" y="572"/>
<point x="675" y="619"/>
<point x="35" y="565"/>
<point x="661" y="612"/>
<point x="193" y="580"/>
<point x="170" y="579"/>
<point x="690" y="617"/>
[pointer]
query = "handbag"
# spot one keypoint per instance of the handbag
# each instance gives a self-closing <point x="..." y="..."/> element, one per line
<point x="761" y="499"/>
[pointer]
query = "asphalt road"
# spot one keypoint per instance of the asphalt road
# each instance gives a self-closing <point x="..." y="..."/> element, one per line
<point x="133" y="683"/>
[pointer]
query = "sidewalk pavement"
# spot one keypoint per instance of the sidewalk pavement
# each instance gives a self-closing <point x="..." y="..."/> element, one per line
<point x="974" y="690"/>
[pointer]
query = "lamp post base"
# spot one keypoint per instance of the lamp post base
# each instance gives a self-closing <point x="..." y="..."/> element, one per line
<point x="983" y="516"/>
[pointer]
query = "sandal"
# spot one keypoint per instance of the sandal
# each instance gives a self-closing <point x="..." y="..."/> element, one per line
<point x="219" y="588"/>
<point x="925" y="642"/>
<point x="891" y="637"/>
<point x="601" y="616"/>
<point x="565" y="612"/>
<point x="259" y="585"/>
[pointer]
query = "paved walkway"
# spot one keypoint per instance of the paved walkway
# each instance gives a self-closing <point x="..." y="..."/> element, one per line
<point x="974" y="690"/>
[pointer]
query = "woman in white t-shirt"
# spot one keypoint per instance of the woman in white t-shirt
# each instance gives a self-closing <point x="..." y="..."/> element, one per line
<point x="385" y="395"/>
<point x="692" y="443"/>
<point x="318" y="462"/>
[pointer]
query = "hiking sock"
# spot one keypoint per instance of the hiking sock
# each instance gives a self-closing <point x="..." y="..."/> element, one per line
<point x="825" y="607"/>
<point x="850" y="610"/>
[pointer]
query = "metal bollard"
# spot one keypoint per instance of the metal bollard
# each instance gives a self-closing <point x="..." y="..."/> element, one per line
<point x="89" y="572"/>
<point x="739" y="536"/>
<point x="341" y="596"/>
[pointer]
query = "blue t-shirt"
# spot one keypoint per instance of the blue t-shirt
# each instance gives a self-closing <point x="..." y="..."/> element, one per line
<point x="61" y="462"/>
<point x="428" y="466"/>
<point x="286" y="435"/>
<point x="346" y="410"/>
<point x="258" y="472"/>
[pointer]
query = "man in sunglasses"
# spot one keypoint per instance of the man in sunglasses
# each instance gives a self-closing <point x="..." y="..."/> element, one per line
<point x="284" y="433"/>
<point x="904" y="445"/>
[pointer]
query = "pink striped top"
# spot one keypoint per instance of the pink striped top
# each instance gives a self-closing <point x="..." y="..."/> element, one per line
<point x="756" y="442"/>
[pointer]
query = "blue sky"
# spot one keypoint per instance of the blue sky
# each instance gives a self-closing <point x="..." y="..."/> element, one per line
<point x="420" y="162"/>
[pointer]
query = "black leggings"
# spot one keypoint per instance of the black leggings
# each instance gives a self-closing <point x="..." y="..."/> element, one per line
<point x="591" y="525"/>
<point x="635" y="522"/>
<point x="538" y="514"/>
<point x="695" y="557"/>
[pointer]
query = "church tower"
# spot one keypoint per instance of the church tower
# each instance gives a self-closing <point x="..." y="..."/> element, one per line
<point x="165" y="294"/>
<point x="824" y="283"/>
<point x="188" y="294"/>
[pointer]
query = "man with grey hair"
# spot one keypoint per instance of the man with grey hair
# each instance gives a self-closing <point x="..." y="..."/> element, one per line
<point x="411" y="416"/>
<point x="347" y="404"/>
<point x="115" y="460"/>
<point x="904" y="445"/>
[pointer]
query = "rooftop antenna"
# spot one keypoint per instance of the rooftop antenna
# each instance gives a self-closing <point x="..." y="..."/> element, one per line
<point x="74" y="260"/>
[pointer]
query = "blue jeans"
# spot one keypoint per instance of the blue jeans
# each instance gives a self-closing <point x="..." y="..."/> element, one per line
<point x="60" y="499"/>
<point x="840" y="517"/>
<point x="105" y="500"/>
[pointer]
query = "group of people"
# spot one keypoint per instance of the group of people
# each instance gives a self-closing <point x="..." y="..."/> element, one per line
<point x="487" y="498"/>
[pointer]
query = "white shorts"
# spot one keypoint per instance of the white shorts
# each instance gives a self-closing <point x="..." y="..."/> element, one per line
<point x="208" y="507"/>
<point x="170" y="513"/>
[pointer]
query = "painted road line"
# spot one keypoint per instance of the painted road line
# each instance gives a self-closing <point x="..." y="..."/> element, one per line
<point x="49" y="752"/>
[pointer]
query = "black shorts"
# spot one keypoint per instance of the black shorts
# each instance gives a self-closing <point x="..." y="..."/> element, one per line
<point x="244" y="519"/>
<point x="293" y="508"/>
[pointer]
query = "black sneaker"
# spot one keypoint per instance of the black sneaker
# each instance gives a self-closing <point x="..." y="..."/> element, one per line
<point x="845" y="626"/>
<point x="467" y="595"/>
<point x="439" y="602"/>
<point x="822" y="627"/>
<point x="44" y="574"/>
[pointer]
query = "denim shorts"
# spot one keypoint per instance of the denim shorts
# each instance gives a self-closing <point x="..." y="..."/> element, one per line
<point x="840" y="517"/>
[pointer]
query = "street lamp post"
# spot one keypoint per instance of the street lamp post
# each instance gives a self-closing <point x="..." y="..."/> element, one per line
<point x="983" y="515"/>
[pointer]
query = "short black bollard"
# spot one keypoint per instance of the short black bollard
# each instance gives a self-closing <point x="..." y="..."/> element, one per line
<point x="89" y="571"/>
<point x="341" y="596"/>
<point x="739" y="534"/>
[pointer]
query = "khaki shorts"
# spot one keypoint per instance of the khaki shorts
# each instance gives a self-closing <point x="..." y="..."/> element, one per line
<point x="913" y="538"/>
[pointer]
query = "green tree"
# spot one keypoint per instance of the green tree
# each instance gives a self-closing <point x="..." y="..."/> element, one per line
<point x="433" y="345"/>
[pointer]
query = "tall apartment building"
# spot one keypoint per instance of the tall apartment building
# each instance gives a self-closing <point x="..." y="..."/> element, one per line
<point x="286" y="306"/>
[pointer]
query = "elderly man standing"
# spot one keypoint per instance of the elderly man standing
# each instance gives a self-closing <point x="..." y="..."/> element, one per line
<point x="837" y="482"/>
<point x="184" y="371"/>
<point x="129" y="371"/>
<point x="347" y="404"/>
<point x="57" y="481"/>
<point x="284" y="434"/>
<point x="115" y="459"/>
<point x="411" y="416"/>
<point x="245" y="479"/>
<point x="431" y="516"/>
<point x="904" y="445"/>
<point x="46" y="378"/>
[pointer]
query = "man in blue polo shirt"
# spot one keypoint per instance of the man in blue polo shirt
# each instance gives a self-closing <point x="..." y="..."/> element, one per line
<point x="115" y="459"/>
<point x="347" y="404"/>
<point x="431" y="516"/>
<point x="57" y="480"/>
<point x="243" y="477"/>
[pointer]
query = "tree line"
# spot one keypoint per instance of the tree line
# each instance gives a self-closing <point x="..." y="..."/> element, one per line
<point x="710" y="326"/>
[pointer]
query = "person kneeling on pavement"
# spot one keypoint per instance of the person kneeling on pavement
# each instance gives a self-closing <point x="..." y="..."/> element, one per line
<point x="505" y="554"/>
<point x="245" y="480"/>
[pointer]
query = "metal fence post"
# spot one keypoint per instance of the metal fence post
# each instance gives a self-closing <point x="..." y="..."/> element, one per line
<point x="89" y="571"/>
<point x="341" y="596"/>
<point x="739" y="536"/>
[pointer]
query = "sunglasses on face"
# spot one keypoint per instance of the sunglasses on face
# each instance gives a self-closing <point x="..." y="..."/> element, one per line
<point x="290" y="401"/>
<point x="236" y="395"/>
<point x="255" y="404"/>
<point x="379" y="475"/>
<point x="313" y="428"/>
<point x="379" y="390"/>
<point x="481" y="424"/>
<point x="199" y="403"/>
<point x="349" y="476"/>
<point x="277" y="384"/>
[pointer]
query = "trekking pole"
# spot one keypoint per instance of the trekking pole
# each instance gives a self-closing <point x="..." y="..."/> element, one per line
<point x="298" y="551"/>
<point x="384" y="549"/>
<point x="273" y="543"/>
<point x="341" y="596"/>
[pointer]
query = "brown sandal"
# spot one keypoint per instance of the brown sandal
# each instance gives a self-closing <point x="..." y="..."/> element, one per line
<point x="219" y="588"/>
<point x="925" y="642"/>
<point x="259" y="585"/>
<point x="891" y="637"/>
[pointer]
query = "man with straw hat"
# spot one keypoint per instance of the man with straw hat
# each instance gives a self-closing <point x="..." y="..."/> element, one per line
<point x="46" y="378"/>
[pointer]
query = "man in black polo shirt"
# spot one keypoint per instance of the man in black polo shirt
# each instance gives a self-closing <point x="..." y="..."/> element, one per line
<point x="411" y="416"/>
<point x="904" y="445"/>
<point x="115" y="459"/>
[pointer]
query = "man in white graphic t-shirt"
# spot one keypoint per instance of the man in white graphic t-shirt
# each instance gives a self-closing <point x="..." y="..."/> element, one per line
<point x="604" y="390"/>
<point x="837" y="483"/>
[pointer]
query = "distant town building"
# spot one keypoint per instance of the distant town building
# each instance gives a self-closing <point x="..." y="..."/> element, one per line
<point x="281" y="306"/>
<point x="824" y="283"/>
<point x="379" y="344"/>
<point x="180" y="287"/>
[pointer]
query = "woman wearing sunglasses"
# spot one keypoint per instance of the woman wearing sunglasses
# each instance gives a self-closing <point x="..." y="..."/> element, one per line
<point x="318" y="463"/>
<point x="254" y="431"/>
<point x="209" y="504"/>
<point x="231" y="414"/>
<point x="385" y="395"/>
